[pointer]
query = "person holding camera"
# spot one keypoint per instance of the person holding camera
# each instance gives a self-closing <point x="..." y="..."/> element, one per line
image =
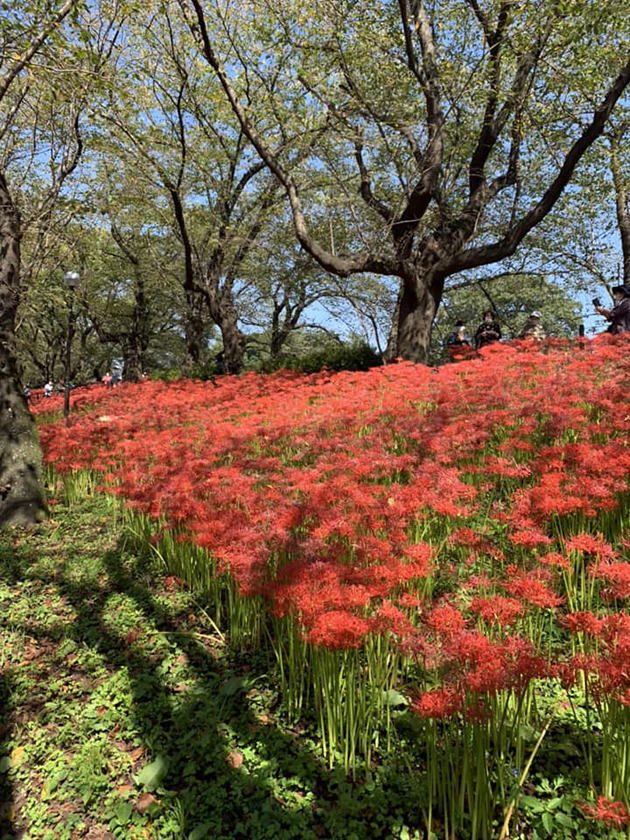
<point x="619" y="315"/>
<point x="488" y="331"/>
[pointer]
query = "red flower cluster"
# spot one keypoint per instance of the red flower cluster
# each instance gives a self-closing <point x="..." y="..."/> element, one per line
<point x="609" y="812"/>
<point x="451" y="511"/>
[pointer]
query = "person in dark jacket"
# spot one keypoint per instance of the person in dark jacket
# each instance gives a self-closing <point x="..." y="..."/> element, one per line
<point x="619" y="315"/>
<point x="488" y="331"/>
<point x="459" y="336"/>
<point x="458" y="343"/>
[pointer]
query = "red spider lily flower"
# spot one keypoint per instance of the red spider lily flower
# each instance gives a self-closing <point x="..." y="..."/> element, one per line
<point x="468" y="537"/>
<point x="589" y="544"/>
<point x="391" y="619"/>
<point x="339" y="630"/>
<point x="583" y="622"/>
<point x="530" y="586"/>
<point x="497" y="609"/>
<point x="555" y="560"/>
<point x="618" y="574"/>
<point x="610" y="812"/>
<point x="446" y="621"/>
<point x="438" y="703"/>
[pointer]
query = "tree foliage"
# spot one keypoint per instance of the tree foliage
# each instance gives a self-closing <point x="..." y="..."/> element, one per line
<point x="447" y="131"/>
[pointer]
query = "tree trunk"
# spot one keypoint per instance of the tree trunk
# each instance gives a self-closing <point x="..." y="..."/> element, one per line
<point x="195" y="324"/>
<point x="278" y="340"/>
<point x="391" y="351"/>
<point x="223" y="313"/>
<point x="418" y="304"/>
<point x="233" y="344"/>
<point x="621" y="202"/>
<point x="21" y="485"/>
<point x="132" y="362"/>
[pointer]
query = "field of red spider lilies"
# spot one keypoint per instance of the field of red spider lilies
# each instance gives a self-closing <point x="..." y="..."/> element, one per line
<point x="454" y="542"/>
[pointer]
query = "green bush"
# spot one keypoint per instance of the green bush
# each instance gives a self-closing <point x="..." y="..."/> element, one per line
<point x="357" y="355"/>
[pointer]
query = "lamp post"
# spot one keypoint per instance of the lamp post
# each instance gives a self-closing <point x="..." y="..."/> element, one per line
<point x="72" y="281"/>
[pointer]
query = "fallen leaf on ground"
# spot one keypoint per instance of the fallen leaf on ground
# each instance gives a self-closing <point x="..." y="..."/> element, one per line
<point x="144" y="802"/>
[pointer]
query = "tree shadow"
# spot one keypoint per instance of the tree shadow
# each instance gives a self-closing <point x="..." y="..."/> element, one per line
<point x="6" y="788"/>
<point x="225" y="766"/>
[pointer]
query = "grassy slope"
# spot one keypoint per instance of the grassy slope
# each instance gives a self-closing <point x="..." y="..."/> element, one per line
<point x="123" y="715"/>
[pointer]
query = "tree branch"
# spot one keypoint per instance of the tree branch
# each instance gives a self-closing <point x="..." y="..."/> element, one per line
<point x="343" y="266"/>
<point x="483" y="255"/>
<point x="366" y="188"/>
<point x="621" y="200"/>
<point x="21" y="63"/>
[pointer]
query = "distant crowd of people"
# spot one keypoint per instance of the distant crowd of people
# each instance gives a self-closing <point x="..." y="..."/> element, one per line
<point x="489" y="331"/>
<point x="110" y="380"/>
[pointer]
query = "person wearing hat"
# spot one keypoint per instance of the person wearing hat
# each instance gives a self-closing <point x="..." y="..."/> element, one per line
<point x="533" y="329"/>
<point x="619" y="315"/>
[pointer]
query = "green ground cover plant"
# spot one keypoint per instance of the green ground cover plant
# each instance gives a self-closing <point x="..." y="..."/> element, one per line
<point x="124" y="714"/>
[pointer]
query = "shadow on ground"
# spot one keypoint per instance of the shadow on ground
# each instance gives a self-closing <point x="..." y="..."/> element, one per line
<point x="6" y="788"/>
<point x="173" y="731"/>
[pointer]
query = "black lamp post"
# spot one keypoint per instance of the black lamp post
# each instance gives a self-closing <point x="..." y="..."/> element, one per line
<point x="72" y="281"/>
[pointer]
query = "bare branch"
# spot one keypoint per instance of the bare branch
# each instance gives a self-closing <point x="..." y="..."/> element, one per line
<point x="366" y="188"/>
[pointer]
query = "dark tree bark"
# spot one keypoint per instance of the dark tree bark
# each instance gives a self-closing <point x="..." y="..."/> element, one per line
<point x="21" y="489"/>
<point x="194" y="328"/>
<point x="621" y="199"/>
<point x="225" y="316"/>
<point x="132" y="363"/>
<point x="233" y="345"/>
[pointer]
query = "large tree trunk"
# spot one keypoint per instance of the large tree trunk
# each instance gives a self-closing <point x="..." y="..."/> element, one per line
<point x="195" y="325"/>
<point x="223" y="313"/>
<point x="132" y="362"/>
<point x="418" y="303"/>
<point x="21" y="485"/>
<point x="278" y="340"/>
<point x="233" y="342"/>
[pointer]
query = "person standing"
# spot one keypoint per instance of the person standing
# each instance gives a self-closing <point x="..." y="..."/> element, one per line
<point x="619" y="315"/>
<point x="533" y="329"/>
<point x="48" y="389"/>
<point x="488" y="330"/>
